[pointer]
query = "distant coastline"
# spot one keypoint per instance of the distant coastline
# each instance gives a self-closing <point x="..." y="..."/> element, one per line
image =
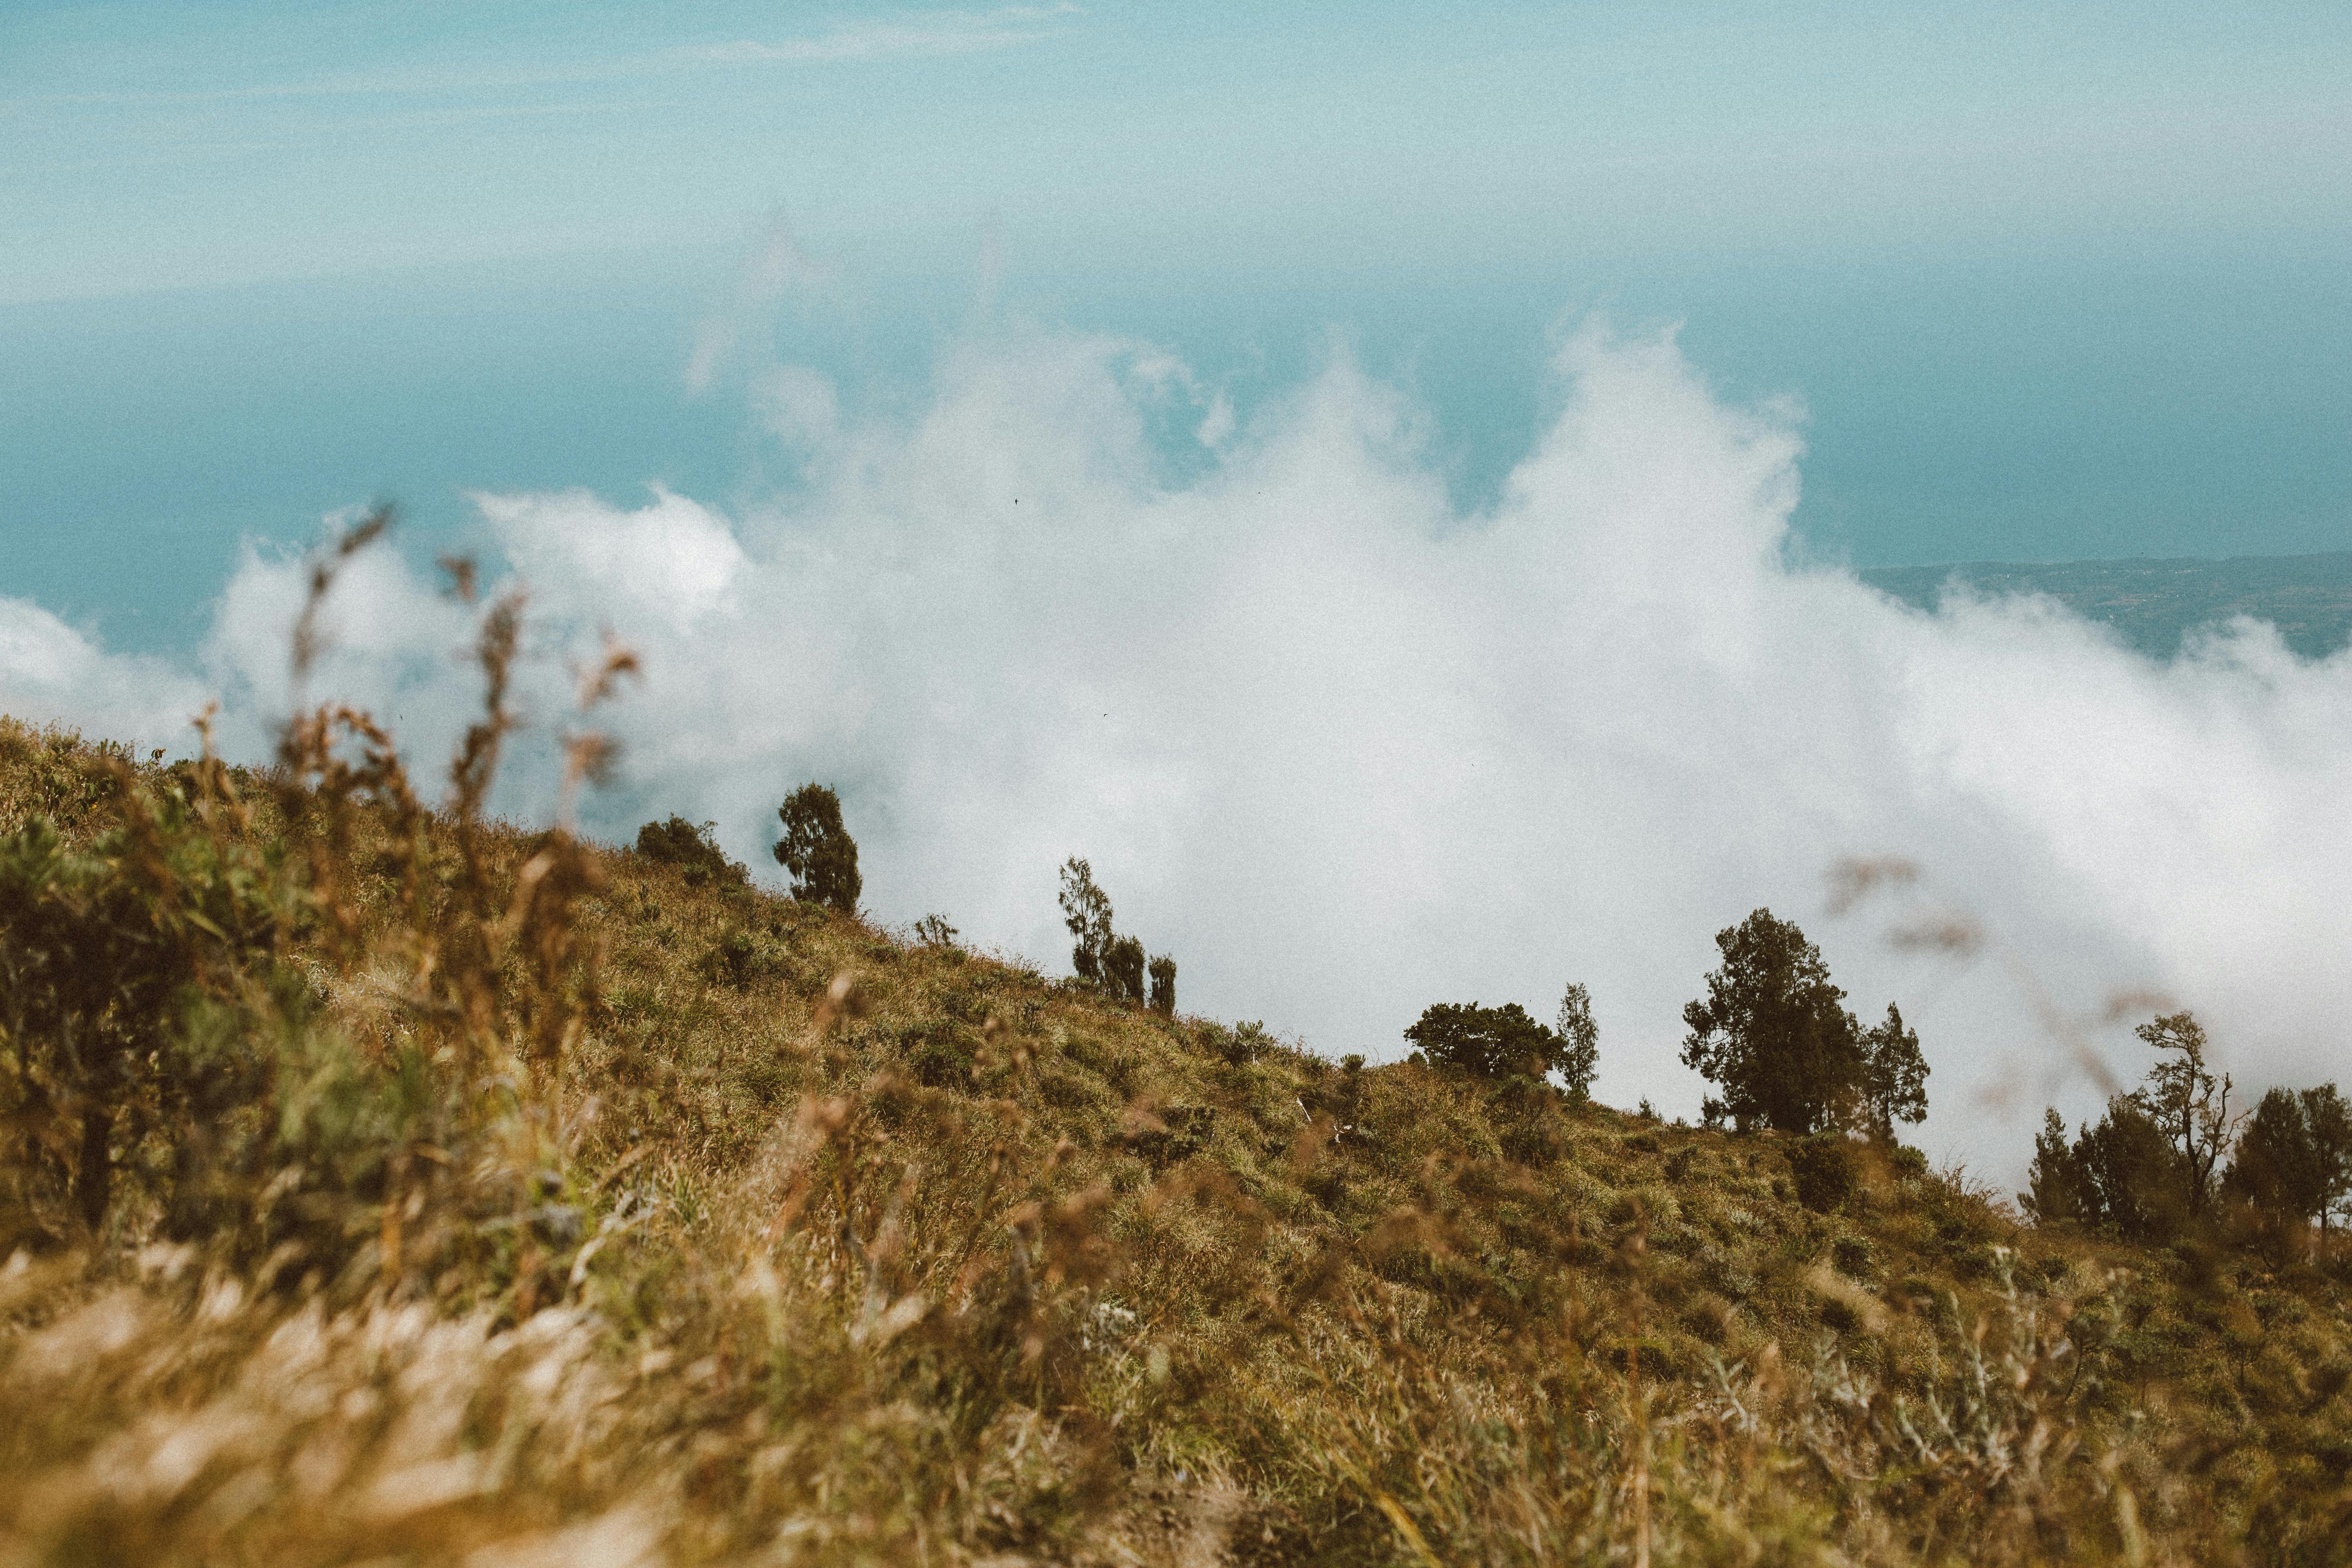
<point x="2153" y="604"/>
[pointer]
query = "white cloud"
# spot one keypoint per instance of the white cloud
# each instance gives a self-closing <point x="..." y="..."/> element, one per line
<point x="1345" y="753"/>
<point x="924" y="32"/>
<point x="777" y="269"/>
<point x="670" y="566"/>
<point x="50" y="673"/>
<point x="915" y="34"/>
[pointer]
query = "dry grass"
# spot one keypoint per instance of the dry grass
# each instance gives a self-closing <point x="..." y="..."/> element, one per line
<point x="574" y="1215"/>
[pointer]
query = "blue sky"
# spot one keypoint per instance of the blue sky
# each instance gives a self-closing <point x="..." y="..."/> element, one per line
<point x="157" y="145"/>
<point x="2052" y="281"/>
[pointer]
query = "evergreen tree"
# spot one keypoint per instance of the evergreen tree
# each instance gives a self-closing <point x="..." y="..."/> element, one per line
<point x="1894" y="1078"/>
<point x="818" y="851"/>
<point x="2149" y="1169"/>
<point x="1103" y="958"/>
<point x="1772" y="1031"/>
<point x="2275" y="1171"/>
<point x="2292" y="1163"/>
<point x="1580" y="1037"/>
<point x="1123" y="969"/>
<point x="2329" y="1119"/>
<point x="2058" y="1186"/>
<point x="2136" y="1183"/>
<point x="1085" y="909"/>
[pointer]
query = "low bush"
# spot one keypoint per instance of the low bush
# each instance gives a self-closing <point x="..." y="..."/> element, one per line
<point x="1826" y="1170"/>
<point x="695" y="852"/>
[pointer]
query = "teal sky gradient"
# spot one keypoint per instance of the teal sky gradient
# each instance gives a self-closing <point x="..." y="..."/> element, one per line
<point x="165" y="145"/>
<point x="2052" y="281"/>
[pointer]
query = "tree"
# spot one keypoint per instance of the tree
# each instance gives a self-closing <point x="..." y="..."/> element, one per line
<point x="818" y="851"/>
<point x="2059" y="1187"/>
<point x="2186" y="1104"/>
<point x="2329" y="1118"/>
<point x="1113" y="963"/>
<point x="1579" y="1038"/>
<point x="2147" y="1171"/>
<point x="2275" y="1171"/>
<point x="1488" y="1042"/>
<point x="2293" y="1159"/>
<point x="1773" y="1032"/>
<point x="2121" y="1176"/>
<point x="1085" y="909"/>
<point x="1123" y="969"/>
<point x="1894" y="1085"/>
<point x="2138" y="1184"/>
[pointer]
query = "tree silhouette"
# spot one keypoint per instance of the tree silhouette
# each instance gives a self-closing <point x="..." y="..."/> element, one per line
<point x="2187" y="1103"/>
<point x="2057" y="1186"/>
<point x="1123" y="968"/>
<point x="2329" y="1118"/>
<point x="1894" y="1086"/>
<point x="1113" y="963"/>
<point x="818" y="851"/>
<point x="1085" y="909"/>
<point x="1579" y="1038"/>
<point x="1772" y="1031"/>
<point x="2293" y="1159"/>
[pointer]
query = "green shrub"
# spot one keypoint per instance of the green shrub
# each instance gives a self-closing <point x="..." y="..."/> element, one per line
<point x="741" y="958"/>
<point x="939" y="1052"/>
<point x="124" y="968"/>
<point x="1487" y="1042"/>
<point x="1825" y="1170"/>
<point x="1237" y="1046"/>
<point x="693" y="850"/>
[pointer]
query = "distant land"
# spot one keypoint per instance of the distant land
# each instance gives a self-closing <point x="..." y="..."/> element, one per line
<point x="2153" y="605"/>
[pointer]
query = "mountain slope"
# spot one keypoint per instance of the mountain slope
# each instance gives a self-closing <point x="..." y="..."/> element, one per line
<point x="479" y="1196"/>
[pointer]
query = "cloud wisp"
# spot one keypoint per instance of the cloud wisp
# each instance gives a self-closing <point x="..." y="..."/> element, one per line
<point x="925" y="33"/>
<point x="912" y="35"/>
<point x="1345" y="753"/>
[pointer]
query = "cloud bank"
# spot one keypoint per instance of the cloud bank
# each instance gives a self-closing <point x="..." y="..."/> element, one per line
<point x="1345" y="753"/>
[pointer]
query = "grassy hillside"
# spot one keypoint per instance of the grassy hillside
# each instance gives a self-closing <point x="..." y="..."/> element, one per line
<point x="473" y="1196"/>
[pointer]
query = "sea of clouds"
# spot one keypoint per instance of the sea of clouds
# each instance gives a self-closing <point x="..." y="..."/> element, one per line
<point x="1345" y="753"/>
